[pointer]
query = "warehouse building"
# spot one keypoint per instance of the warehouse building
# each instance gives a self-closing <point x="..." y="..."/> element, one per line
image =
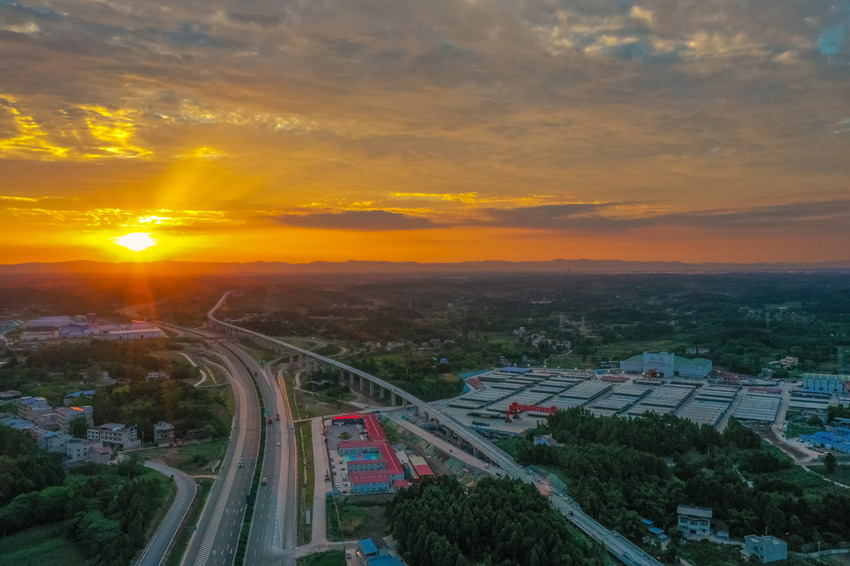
<point x="826" y="383"/>
<point x="668" y="365"/>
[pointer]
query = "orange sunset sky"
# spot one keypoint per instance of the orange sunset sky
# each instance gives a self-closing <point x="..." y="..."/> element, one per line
<point x="446" y="130"/>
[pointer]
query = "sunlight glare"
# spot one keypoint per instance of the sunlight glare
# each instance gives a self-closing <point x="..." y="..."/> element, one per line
<point x="136" y="241"/>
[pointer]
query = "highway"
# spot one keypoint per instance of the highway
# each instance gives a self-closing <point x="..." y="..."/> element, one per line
<point x="273" y="533"/>
<point x="616" y="544"/>
<point x="158" y="545"/>
<point x="214" y="543"/>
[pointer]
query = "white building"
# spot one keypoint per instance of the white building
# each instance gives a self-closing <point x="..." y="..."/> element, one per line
<point x="134" y="334"/>
<point x="66" y="414"/>
<point x="669" y="365"/>
<point x="115" y="435"/>
<point x="694" y="521"/>
<point x="767" y="548"/>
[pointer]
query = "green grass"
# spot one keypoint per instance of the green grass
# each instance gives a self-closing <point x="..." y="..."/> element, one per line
<point x="359" y="518"/>
<point x="796" y="429"/>
<point x="841" y="473"/>
<point x="311" y="404"/>
<point x="191" y="459"/>
<point x="807" y="481"/>
<point x="306" y="479"/>
<point x="510" y="445"/>
<point x="703" y="552"/>
<point x="328" y="558"/>
<point x="45" y="545"/>
<point x="218" y="375"/>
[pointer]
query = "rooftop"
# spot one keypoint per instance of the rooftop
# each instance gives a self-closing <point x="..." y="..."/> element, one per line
<point x="702" y="512"/>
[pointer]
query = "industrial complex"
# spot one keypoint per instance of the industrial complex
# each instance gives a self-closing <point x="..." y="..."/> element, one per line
<point x="498" y="397"/>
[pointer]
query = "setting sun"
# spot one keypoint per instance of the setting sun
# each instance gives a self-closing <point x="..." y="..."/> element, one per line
<point x="136" y="241"/>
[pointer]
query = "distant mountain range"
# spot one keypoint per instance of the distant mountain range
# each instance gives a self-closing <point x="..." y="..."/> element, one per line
<point x="388" y="267"/>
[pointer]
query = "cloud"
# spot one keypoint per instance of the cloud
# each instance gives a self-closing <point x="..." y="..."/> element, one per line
<point x="612" y="217"/>
<point x="360" y="220"/>
<point x="453" y="113"/>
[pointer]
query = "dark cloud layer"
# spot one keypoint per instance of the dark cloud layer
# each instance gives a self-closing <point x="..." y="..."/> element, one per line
<point x="368" y="220"/>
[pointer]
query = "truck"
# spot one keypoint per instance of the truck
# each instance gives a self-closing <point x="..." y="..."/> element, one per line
<point x="277" y="416"/>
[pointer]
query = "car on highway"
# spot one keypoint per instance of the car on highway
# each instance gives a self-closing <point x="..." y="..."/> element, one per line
<point x="263" y="481"/>
<point x="241" y="463"/>
<point x="278" y="443"/>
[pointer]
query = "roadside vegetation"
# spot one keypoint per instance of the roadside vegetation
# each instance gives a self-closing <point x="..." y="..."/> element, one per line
<point x="328" y="558"/>
<point x="306" y="478"/>
<point x="356" y="518"/>
<point x="196" y="458"/>
<point x="500" y="522"/>
<point x="105" y="510"/>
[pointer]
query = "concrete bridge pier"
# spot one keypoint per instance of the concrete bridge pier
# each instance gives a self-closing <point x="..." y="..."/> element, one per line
<point x="392" y="398"/>
<point x="371" y="389"/>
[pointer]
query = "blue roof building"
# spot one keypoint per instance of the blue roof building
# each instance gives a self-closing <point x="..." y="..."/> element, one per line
<point x="367" y="547"/>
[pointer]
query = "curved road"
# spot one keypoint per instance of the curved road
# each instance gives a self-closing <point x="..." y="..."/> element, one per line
<point x="215" y="541"/>
<point x="158" y="545"/>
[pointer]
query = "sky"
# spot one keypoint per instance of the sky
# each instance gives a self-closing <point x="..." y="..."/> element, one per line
<point x="432" y="131"/>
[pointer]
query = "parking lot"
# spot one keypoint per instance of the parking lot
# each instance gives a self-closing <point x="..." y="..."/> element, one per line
<point x="339" y="470"/>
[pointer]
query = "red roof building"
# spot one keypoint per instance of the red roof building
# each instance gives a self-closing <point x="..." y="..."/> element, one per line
<point x="368" y="475"/>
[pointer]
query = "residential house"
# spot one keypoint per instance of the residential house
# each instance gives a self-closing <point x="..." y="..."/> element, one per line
<point x="694" y="521"/>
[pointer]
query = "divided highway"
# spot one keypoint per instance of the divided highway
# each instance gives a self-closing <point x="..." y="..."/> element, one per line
<point x="273" y="533"/>
<point x="217" y="535"/>
<point x="616" y="544"/>
<point x="272" y="536"/>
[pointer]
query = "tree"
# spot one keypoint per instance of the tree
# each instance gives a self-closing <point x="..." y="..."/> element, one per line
<point x="209" y="431"/>
<point x="830" y="463"/>
<point x="78" y="426"/>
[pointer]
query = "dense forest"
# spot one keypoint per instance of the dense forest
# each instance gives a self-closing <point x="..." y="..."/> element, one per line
<point x="621" y="470"/>
<point x="106" y="509"/>
<point x="23" y="467"/>
<point x="499" y="522"/>
<point x="420" y="375"/>
<point x="131" y="359"/>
